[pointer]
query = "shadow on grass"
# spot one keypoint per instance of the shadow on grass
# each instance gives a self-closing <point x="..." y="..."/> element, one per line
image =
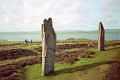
<point x="112" y="48"/>
<point x="80" y="68"/>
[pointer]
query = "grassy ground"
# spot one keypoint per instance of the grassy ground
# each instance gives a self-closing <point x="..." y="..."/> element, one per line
<point x="84" y="69"/>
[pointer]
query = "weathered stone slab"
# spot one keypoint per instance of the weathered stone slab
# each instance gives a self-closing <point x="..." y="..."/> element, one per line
<point x="48" y="47"/>
<point x="101" y="38"/>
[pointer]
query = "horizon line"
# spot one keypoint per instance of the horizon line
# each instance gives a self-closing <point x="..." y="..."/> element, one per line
<point x="59" y="30"/>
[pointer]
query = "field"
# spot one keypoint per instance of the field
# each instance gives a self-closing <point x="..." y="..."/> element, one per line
<point x="75" y="60"/>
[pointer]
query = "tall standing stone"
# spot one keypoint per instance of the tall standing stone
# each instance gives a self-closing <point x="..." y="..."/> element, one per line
<point x="101" y="38"/>
<point x="48" y="47"/>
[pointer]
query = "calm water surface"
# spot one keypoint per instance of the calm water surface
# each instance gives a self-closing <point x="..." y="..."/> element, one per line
<point x="36" y="36"/>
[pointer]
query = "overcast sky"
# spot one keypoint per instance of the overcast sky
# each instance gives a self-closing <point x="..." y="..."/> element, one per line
<point x="27" y="15"/>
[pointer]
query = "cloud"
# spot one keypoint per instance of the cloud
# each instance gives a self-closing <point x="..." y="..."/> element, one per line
<point x="67" y="14"/>
<point x="110" y="12"/>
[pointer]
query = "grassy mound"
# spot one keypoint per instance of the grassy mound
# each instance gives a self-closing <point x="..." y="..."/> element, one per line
<point x="96" y="68"/>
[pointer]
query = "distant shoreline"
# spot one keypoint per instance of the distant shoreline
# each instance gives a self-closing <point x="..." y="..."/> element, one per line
<point x="113" y="34"/>
<point x="107" y="30"/>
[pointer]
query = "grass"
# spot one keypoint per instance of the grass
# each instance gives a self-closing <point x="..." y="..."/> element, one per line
<point x="84" y="69"/>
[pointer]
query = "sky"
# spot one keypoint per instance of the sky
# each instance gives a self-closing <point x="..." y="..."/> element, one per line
<point x="28" y="15"/>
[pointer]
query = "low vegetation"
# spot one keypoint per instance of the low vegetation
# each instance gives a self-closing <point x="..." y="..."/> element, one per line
<point x="75" y="60"/>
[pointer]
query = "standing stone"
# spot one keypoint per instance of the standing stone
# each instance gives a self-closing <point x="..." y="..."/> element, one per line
<point x="48" y="47"/>
<point x="101" y="38"/>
